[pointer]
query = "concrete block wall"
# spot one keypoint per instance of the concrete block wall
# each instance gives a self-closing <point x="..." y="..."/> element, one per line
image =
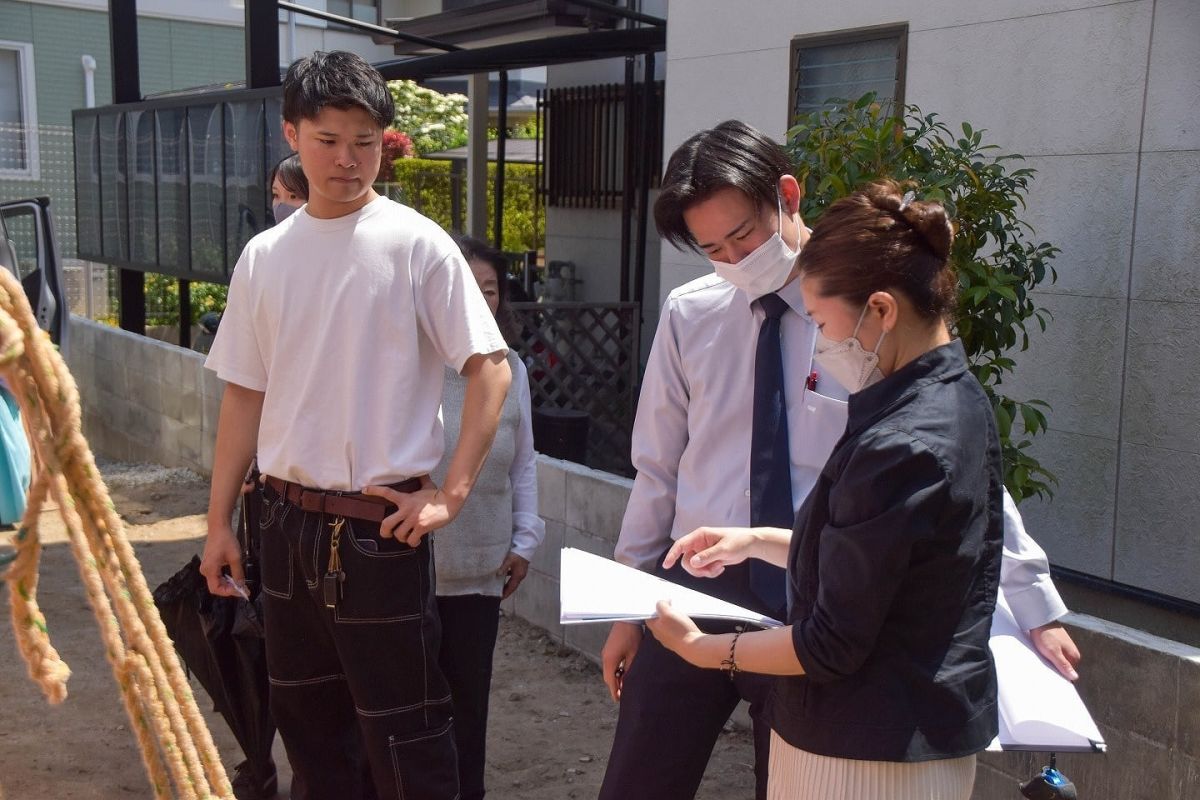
<point x="1144" y="692"/>
<point x="144" y="400"/>
<point x="582" y="508"/>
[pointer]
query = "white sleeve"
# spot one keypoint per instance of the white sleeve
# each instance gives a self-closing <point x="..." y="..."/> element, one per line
<point x="528" y="528"/>
<point x="659" y="436"/>
<point x="1025" y="574"/>
<point x="235" y="354"/>
<point x="453" y="313"/>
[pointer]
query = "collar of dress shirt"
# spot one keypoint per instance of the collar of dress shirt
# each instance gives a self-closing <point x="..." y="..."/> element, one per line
<point x="790" y="294"/>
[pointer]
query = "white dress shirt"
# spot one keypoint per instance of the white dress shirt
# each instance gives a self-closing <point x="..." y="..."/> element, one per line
<point x="691" y="436"/>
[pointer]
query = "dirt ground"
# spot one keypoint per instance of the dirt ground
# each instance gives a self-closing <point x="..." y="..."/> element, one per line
<point x="551" y="719"/>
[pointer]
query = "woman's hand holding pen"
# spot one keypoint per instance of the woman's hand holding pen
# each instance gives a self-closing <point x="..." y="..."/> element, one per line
<point x="705" y="552"/>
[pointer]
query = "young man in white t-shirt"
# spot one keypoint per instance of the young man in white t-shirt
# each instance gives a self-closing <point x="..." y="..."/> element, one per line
<point x="339" y="324"/>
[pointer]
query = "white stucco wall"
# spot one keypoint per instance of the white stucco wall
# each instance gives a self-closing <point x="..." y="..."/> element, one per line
<point x="1104" y="100"/>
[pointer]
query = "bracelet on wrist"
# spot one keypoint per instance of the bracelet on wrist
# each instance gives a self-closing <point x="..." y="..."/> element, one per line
<point x="730" y="663"/>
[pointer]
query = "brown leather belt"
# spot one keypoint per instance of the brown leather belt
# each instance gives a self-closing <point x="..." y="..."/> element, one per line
<point x="341" y="504"/>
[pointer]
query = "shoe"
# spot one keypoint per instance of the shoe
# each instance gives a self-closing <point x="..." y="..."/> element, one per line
<point x="248" y="786"/>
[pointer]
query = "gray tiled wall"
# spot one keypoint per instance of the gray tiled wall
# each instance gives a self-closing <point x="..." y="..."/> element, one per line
<point x="144" y="400"/>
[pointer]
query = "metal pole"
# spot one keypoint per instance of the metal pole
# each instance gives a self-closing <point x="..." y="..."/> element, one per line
<point x="262" y="43"/>
<point x="627" y="180"/>
<point x="291" y="28"/>
<point x="539" y="193"/>
<point x="89" y="286"/>
<point x="456" y="196"/>
<point x="126" y="81"/>
<point x="501" y="138"/>
<point x="477" y="156"/>
<point x="185" y="314"/>
<point x="647" y="117"/>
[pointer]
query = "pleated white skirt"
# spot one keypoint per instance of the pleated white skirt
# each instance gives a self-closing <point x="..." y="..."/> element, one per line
<point x="796" y="774"/>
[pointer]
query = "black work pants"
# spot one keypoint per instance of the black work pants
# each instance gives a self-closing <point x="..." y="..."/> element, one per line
<point x="469" y="626"/>
<point x="671" y="712"/>
<point x="358" y="681"/>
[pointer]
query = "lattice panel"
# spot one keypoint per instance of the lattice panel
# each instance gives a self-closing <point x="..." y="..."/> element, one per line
<point x="584" y="356"/>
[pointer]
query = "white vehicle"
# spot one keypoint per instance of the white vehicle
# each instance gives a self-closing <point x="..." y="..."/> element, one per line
<point x="29" y="251"/>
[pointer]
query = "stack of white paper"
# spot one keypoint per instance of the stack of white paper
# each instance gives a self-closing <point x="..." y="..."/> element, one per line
<point x="1039" y="708"/>
<point x="595" y="589"/>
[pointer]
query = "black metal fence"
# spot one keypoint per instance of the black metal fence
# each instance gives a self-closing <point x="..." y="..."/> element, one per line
<point x="584" y="356"/>
<point x="587" y="142"/>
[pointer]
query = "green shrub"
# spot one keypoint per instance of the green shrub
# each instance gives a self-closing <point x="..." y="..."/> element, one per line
<point x="432" y="120"/>
<point x="162" y="299"/>
<point x="428" y="186"/>
<point x="998" y="263"/>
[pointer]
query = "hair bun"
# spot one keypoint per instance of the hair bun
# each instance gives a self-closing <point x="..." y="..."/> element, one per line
<point x="929" y="220"/>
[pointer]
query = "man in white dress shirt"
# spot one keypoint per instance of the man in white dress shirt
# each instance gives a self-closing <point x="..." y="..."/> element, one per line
<point x="728" y="193"/>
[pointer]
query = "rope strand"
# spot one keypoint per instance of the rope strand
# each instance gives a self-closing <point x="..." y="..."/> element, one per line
<point x="177" y="748"/>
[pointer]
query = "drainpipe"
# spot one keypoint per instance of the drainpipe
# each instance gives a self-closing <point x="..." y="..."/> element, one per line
<point x="89" y="81"/>
<point x="89" y="101"/>
<point x="291" y="29"/>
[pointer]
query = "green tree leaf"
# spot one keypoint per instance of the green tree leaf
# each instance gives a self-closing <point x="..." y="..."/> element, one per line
<point x="855" y="141"/>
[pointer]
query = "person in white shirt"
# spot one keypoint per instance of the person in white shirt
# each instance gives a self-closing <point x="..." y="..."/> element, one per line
<point x="484" y="554"/>
<point x="728" y="193"/>
<point x="339" y="325"/>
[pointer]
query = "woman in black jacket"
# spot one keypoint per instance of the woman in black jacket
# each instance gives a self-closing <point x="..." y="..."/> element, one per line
<point x="887" y="687"/>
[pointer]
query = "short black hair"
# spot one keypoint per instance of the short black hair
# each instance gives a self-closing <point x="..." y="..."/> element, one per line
<point x="291" y="175"/>
<point x="730" y="155"/>
<point x="337" y="80"/>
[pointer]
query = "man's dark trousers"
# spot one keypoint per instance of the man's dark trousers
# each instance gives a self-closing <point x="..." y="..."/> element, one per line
<point x="672" y="713"/>
<point x="361" y="677"/>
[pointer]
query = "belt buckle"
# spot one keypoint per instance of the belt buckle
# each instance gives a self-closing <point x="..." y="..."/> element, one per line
<point x="309" y="501"/>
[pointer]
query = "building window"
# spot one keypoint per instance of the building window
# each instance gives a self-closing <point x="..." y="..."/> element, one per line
<point x="846" y="65"/>
<point x="361" y="10"/>
<point x="18" y="112"/>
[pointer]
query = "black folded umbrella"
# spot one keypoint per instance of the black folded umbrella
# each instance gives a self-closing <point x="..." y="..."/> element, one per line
<point x="220" y="639"/>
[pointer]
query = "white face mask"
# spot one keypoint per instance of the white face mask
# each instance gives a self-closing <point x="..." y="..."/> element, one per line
<point x="847" y="362"/>
<point x="283" y="210"/>
<point x="764" y="270"/>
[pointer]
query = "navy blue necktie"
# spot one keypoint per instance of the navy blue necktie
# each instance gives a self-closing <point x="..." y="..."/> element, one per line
<point x="770" y="457"/>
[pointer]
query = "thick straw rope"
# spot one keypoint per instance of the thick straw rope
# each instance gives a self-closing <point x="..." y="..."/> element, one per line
<point x="175" y="743"/>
